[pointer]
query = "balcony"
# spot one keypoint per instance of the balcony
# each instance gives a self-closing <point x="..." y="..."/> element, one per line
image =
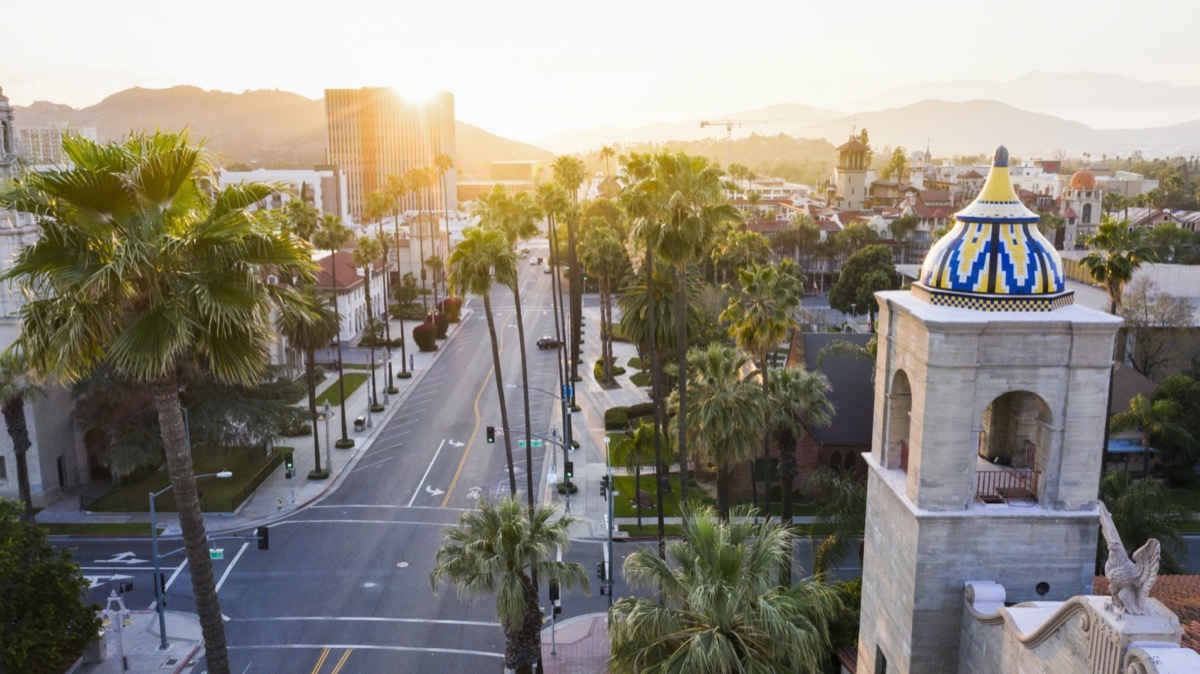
<point x="1001" y="484"/>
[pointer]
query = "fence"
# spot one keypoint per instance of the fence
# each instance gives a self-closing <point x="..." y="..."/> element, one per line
<point x="994" y="486"/>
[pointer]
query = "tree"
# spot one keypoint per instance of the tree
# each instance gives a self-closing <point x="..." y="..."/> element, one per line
<point x="570" y="172"/>
<point x="736" y="249"/>
<point x="1184" y="391"/>
<point x="606" y="154"/>
<point x="897" y="166"/>
<point x="417" y="180"/>
<point x="801" y="235"/>
<point x="1113" y="202"/>
<point x="1152" y="420"/>
<point x="604" y="256"/>
<point x="443" y="164"/>
<point x="639" y="447"/>
<point x="44" y="623"/>
<point x="727" y="413"/>
<point x="798" y="402"/>
<point x="307" y="331"/>
<point x="405" y="293"/>
<point x="758" y="318"/>
<point x="499" y="549"/>
<point x="365" y="255"/>
<point x="471" y="268"/>
<point x="1118" y="250"/>
<point x="300" y="217"/>
<point x="143" y="265"/>
<point x="1141" y="510"/>
<point x="14" y="389"/>
<point x="865" y="273"/>
<point x="720" y="609"/>
<point x="1155" y="322"/>
<point x="331" y="235"/>
<point x="840" y="519"/>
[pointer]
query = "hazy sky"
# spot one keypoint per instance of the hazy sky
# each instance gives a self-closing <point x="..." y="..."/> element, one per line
<point x="524" y="68"/>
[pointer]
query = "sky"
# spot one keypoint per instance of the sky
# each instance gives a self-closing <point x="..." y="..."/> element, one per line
<point x="528" y="68"/>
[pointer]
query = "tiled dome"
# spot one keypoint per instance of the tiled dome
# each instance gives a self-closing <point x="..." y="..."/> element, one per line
<point x="1083" y="180"/>
<point x="994" y="258"/>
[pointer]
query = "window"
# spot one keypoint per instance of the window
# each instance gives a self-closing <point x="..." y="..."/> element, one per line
<point x="880" y="661"/>
<point x="1087" y="214"/>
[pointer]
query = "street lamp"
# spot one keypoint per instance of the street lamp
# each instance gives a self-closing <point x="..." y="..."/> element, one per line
<point x="159" y="590"/>
<point x="611" y="497"/>
<point x="566" y="436"/>
<point x="327" y="414"/>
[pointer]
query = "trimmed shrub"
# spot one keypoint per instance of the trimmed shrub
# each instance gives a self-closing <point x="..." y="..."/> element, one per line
<point x="616" y="418"/>
<point x="452" y="307"/>
<point x="640" y="410"/>
<point x="425" y="335"/>
<point x="441" y="321"/>
<point x="297" y="424"/>
<point x="598" y="370"/>
<point x="409" y="312"/>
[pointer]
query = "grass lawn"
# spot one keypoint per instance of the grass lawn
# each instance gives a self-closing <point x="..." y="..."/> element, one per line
<point x="1190" y="526"/>
<point x="640" y="379"/>
<point x="623" y="506"/>
<point x="217" y="495"/>
<point x="635" y="363"/>
<point x="98" y="528"/>
<point x="354" y="366"/>
<point x="650" y="529"/>
<point x="1186" y="498"/>
<point x="334" y="395"/>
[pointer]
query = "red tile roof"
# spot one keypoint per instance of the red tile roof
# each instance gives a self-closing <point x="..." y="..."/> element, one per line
<point x="347" y="273"/>
<point x="852" y="145"/>
<point x="1070" y="213"/>
<point x="1181" y="594"/>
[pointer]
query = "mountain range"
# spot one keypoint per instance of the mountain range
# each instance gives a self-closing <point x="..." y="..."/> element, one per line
<point x="278" y="129"/>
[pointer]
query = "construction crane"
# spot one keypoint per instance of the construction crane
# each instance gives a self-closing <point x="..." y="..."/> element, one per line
<point x="730" y="123"/>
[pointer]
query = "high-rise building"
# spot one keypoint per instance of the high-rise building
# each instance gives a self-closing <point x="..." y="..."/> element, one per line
<point x="374" y="133"/>
<point x="42" y="145"/>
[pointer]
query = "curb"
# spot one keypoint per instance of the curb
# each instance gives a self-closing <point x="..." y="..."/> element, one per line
<point x="577" y="619"/>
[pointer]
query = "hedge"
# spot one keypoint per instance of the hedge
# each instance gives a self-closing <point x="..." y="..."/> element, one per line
<point x="452" y="307"/>
<point x="640" y="410"/>
<point x="616" y="418"/>
<point x="442" y="321"/>
<point x="425" y="335"/>
<point x="598" y="370"/>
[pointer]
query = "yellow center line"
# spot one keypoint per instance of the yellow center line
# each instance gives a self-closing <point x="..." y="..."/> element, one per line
<point x="341" y="662"/>
<point x="475" y="429"/>
<point x="321" y="661"/>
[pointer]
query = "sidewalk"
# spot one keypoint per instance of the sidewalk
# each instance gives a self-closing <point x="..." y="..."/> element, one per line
<point x="580" y="646"/>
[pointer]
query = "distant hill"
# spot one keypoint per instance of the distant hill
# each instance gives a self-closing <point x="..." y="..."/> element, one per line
<point x="264" y="128"/>
<point x="1098" y="100"/>
<point x="583" y="140"/>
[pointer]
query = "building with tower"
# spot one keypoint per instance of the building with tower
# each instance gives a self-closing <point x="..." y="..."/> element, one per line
<point x="990" y="405"/>
<point x="374" y="133"/>
<point x="851" y="178"/>
<point x="1081" y="202"/>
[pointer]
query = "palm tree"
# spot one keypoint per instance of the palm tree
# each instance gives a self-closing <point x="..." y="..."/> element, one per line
<point x="365" y="255"/>
<point x="14" y="389"/>
<point x="308" y="330"/>
<point x="404" y="293"/>
<point x="417" y="179"/>
<point x="570" y="172"/>
<point x="1117" y="252"/>
<point x="142" y="266"/>
<point x="721" y="609"/>
<point x="553" y="201"/>
<point x="798" y="402"/>
<point x="498" y="549"/>
<point x="758" y="318"/>
<point x="1142" y="510"/>
<point x="639" y="445"/>
<point x="840" y="519"/>
<point x="1155" y="419"/>
<point x="691" y="203"/>
<point x="443" y="164"/>
<point x="379" y="204"/>
<point x="606" y="154"/>
<point x="300" y="217"/>
<point x="515" y="217"/>
<point x="471" y="265"/>
<point x="604" y="256"/>
<point x="728" y="412"/>
<point x="331" y="235"/>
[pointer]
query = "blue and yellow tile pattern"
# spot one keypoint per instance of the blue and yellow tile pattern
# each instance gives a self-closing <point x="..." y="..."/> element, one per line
<point x="994" y="258"/>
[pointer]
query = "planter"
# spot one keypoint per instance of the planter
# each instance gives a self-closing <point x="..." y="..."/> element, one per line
<point x="403" y="375"/>
<point x="377" y="407"/>
<point x="392" y="390"/>
<point x="344" y="444"/>
<point x="318" y="474"/>
<point x="567" y="488"/>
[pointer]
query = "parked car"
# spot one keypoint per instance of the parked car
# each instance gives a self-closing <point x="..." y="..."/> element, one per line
<point x="533" y="261"/>
<point x="546" y="269"/>
<point x="547" y="342"/>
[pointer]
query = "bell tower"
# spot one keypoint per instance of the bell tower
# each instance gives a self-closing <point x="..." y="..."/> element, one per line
<point x="852" y="174"/>
<point x="990" y="400"/>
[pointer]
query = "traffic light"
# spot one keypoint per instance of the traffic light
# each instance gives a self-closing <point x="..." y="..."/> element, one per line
<point x="264" y="542"/>
<point x="604" y="487"/>
<point x="289" y="465"/>
<point x="600" y="571"/>
<point x="491" y="435"/>
<point x="569" y="470"/>
<point x="553" y="591"/>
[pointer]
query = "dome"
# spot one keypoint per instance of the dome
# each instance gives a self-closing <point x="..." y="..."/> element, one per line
<point x="994" y="258"/>
<point x="1083" y="180"/>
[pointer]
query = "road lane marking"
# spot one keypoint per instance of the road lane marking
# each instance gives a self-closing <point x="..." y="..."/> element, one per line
<point x="230" y="567"/>
<point x="342" y="662"/>
<point x="321" y="662"/>
<point x="372" y="465"/>
<point x="427" y="469"/>
<point x="367" y="647"/>
<point x="171" y="580"/>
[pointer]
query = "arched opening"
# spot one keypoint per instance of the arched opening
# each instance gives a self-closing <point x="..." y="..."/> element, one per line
<point x="1013" y="428"/>
<point x="1087" y="214"/>
<point x="899" y="408"/>
<point x="848" y="463"/>
<point x="95" y="442"/>
<point x="835" y="462"/>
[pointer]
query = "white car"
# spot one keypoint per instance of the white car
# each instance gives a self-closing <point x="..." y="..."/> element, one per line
<point x="546" y="269"/>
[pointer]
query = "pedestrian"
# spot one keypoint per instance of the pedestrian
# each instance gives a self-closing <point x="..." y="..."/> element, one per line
<point x="410" y="362"/>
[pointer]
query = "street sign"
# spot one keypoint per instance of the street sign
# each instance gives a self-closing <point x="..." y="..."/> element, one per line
<point x="570" y="390"/>
<point x="216" y="553"/>
<point x="521" y="444"/>
<point x="537" y="443"/>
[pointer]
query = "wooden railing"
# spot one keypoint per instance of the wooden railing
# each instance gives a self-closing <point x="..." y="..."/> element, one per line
<point x="995" y="486"/>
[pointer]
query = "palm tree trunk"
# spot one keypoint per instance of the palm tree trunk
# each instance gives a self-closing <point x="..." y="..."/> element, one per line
<point x="370" y="326"/>
<point x="191" y="522"/>
<point x="508" y="455"/>
<point x="723" y="492"/>
<point x="18" y="430"/>
<point x="310" y="378"/>
<point x="341" y="379"/>
<point x="576" y="289"/>
<point x="523" y="647"/>
<point x="656" y="384"/>
<point x="787" y="478"/>
<point x="605" y="330"/>
<point x="681" y="360"/>
<point x="766" y="441"/>
<point x="637" y="491"/>
<point x="525" y="390"/>
<point x="421" y="244"/>
<point x="609" y="319"/>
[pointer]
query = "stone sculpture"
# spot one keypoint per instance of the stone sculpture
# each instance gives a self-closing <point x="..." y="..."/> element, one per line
<point x="1129" y="580"/>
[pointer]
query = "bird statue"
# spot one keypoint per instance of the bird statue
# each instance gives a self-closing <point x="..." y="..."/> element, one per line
<point x="1129" y="580"/>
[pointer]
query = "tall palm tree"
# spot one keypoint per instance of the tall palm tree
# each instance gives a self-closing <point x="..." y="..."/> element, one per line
<point x="1151" y="419"/>
<point x="606" y="155"/>
<point x="14" y="389"/>
<point x="379" y="204"/>
<point x="331" y="235"/>
<point x="417" y="180"/>
<point x="691" y="205"/>
<point x="1118" y="250"/>
<point x="798" y="402"/>
<point x="443" y="164"/>
<point x="308" y="330"/>
<point x="515" y="217"/>
<point x="365" y="255"/>
<point x="499" y="549"/>
<point x="727" y="415"/>
<point x="639" y="445"/>
<point x="143" y="265"/>
<point x="840" y="518"/>
<point x="604" y="256"/>
<point x="570" y="172"/>
<point x="301" y="217"/>
<point x="721" y="609"/>
<point x="758" y="318"/>
<point x="471" y="265"/>
<point x="553" y="201"/>
<point x="1141" y="510"/>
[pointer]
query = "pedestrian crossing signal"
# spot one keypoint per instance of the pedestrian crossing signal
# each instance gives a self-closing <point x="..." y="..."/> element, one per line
<point x="491" y="435"/>
<point x="569" y="471"/>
